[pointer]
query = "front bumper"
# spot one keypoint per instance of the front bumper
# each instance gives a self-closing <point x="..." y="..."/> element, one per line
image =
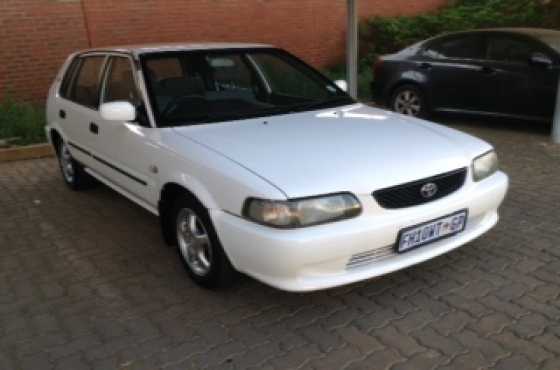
<point x="321" y="257"/>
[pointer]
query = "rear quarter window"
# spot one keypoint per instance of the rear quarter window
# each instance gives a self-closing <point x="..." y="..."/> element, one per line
<point x="68" y="78"/>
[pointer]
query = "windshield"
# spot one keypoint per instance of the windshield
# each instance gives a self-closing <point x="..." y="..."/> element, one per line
<point x="194" y="87"/>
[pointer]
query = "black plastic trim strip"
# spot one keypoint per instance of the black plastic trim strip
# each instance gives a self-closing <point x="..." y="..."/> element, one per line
<point x="120" y="170"/>
<point x="86" y="152"/>
<point x="108" y="164"/>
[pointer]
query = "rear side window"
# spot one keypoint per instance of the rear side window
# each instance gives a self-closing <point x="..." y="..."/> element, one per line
<point x="85" y="88"/>
<point x="511" y="50"/>
<point x="457" y="47"/>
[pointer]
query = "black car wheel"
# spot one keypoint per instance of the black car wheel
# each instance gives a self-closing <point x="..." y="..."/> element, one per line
<point x="409" y="100"/>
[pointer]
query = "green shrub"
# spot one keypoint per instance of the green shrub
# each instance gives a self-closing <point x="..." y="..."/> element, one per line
<point x="24" y="121"/>
<point x="386" y="35"/>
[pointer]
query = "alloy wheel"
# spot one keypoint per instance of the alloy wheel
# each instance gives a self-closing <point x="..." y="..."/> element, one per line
<point x="194" y="242"/>
<point x="408" y="102"/>
<point x="66" y="164"/>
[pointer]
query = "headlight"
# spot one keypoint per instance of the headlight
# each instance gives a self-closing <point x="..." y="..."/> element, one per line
<point x="485" y="165"/>
<point x="302" y="212"/>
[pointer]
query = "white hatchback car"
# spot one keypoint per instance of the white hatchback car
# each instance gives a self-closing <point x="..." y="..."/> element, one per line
<point x="255" y="162"/>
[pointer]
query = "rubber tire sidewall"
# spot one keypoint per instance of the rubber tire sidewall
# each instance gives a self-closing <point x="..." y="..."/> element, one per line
<point x="222" y="274"/>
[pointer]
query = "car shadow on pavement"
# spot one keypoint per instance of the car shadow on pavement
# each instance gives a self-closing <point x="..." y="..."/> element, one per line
<point x="502" y="124"/>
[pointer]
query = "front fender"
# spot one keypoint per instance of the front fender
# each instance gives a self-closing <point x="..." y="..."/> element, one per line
<point x="214" y="179"/>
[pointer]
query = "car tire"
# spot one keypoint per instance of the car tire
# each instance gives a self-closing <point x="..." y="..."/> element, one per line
<point x="198" y="245"/>
<point x="409" y="100"/>
<point x="73" y="173"/>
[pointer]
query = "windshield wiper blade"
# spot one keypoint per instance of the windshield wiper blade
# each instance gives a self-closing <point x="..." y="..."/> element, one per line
<point x="323" y="104"/>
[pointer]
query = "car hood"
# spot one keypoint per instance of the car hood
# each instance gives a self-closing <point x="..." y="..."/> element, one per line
<point x="354" y="148"/>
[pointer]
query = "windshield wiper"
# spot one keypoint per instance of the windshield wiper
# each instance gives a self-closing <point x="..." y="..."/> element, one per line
<point x="329" y="103"/>
<point x="217" y="117"/>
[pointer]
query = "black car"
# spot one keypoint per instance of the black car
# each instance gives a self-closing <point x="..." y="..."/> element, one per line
<point x="496" y="72"/>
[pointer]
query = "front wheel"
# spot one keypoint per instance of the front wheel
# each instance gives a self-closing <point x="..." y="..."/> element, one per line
<point x="199" y="246"/>
<point x="409" y="100"/>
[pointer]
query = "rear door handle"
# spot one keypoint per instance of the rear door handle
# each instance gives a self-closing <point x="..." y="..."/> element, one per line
<point x="93" y="128"/>
<point x="62" y="114"/>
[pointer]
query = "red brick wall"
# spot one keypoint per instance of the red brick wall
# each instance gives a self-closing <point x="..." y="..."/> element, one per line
<point x="36" y="35"/>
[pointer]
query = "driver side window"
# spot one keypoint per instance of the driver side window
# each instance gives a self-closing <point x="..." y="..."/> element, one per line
<point x="120" y="85"/>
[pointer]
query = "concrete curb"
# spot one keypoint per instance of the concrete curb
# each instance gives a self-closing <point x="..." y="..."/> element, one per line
<point x="26" y="152"/>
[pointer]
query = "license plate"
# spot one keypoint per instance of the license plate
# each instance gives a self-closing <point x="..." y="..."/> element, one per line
<point x="416" y="236"/>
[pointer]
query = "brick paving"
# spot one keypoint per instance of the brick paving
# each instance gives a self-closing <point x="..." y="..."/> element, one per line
<point x="87" y="283"/>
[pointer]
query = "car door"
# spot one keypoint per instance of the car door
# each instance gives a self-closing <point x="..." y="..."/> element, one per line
<point x="544" y="88"/>
<point x="457" y="73"/>
<point x="78" y="106"/>
<point x="126" y="149"/>
<point x="513" y="74"/>
<point x="545" y="73"/>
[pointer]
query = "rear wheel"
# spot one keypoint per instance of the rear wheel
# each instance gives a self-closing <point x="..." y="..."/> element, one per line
<point x="72" y="172"/>
<point x="409" y="100"/>
<point x="199" y="246"/>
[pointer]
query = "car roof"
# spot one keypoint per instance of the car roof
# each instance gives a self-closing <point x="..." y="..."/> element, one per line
<point x="533" y="32"/>
<point x="165" y="47"/>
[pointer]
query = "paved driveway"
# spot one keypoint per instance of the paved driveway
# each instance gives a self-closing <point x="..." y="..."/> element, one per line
<point x="86" y="283"/>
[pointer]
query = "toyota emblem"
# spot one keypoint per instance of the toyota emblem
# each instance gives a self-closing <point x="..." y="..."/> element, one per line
<point x="429" y="190"/>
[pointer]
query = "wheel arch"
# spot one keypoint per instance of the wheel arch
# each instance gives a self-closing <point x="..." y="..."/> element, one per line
<point x="170" y="191"/>
<point x="55" y="138"/>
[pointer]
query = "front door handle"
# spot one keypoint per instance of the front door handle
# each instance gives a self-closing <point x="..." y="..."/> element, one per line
<point x="62" y="113"/>
<point x="93" y="128"/>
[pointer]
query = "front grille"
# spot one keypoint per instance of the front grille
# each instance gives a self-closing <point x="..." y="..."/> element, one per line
<point x="365" y="258"/>
<point x="408" y="195"/>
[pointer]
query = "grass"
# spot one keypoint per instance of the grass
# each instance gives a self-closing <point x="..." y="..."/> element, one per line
<point x="23" y="121"/>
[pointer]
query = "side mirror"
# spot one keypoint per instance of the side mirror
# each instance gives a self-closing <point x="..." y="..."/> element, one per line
<point x="342" y="84"/>
<point x="122" y="111"/>
<point x="540" y="59"/>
